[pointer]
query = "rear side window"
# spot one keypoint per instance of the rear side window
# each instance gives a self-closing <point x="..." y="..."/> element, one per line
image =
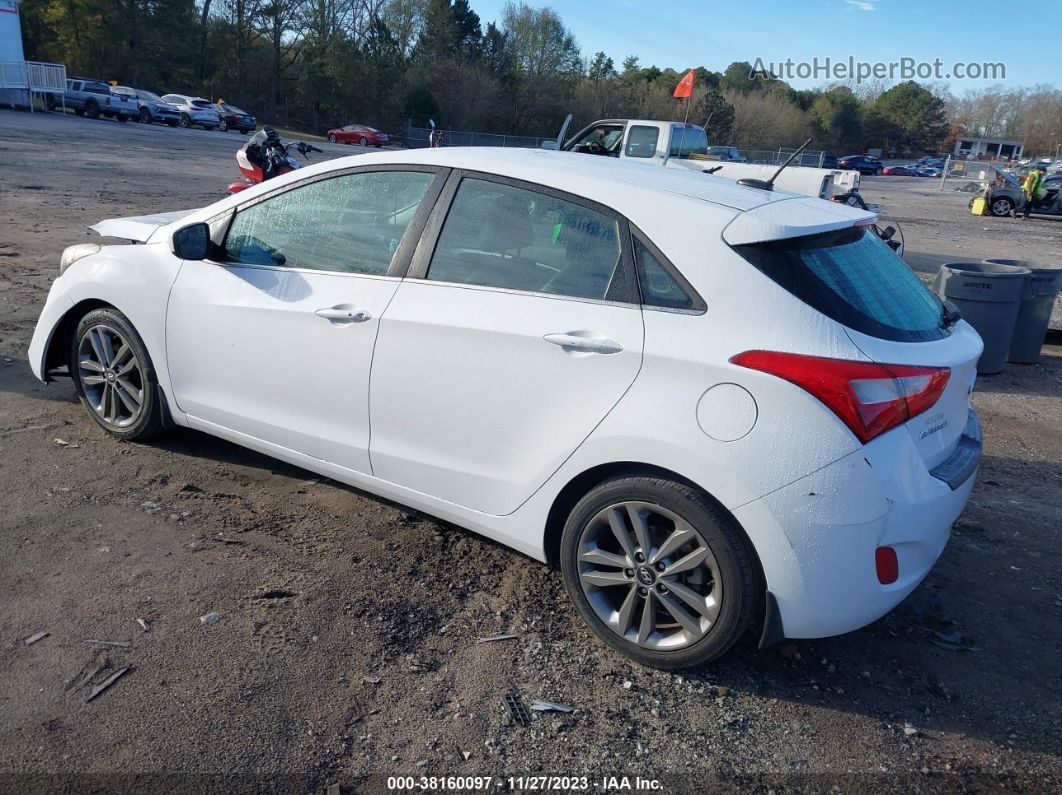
<point x="498" y="235"/>
<point x="659" y="287"/>
<point x="851" y="276"/>
<point x="641" y="141"/>
<point x="688" y="141"/>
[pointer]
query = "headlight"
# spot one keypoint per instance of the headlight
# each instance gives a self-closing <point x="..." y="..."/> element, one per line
<point x="73" y="253"/>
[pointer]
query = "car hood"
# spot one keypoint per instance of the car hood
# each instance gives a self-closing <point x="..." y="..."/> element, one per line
<point x="138" y="228"/>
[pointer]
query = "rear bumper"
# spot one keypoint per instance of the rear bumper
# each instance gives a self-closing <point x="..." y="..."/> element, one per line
<point x="826" y="583"/>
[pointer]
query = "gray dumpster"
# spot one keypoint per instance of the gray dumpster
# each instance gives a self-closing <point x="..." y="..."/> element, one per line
<point x="988" y="297"/>
<point x="1035" y="312"/>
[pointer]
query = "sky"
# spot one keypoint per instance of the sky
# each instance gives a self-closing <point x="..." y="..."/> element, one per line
<point x="713" y="34"/>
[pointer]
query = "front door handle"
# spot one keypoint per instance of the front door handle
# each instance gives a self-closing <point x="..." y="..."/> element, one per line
<point x="584" y="341"/>
<point x="343" y="314"/>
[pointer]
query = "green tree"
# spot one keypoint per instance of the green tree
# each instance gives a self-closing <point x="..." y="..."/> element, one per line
<point x="915" y="119"/>
<point x="717" y="115"/>
<point x="601" y="67"/>
<point x="836" y="120"/>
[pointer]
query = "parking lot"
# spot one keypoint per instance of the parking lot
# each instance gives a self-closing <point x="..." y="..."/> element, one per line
<point x="346" y="643"/>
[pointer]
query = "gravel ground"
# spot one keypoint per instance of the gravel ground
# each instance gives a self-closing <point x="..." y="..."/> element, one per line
<point x="346" y="643"/>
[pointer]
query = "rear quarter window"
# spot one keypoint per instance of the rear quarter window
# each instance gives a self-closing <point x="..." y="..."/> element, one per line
<point x="851" y="276"/>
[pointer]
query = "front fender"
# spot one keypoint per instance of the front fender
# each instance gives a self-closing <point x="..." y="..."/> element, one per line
<point x="135" y="280"/>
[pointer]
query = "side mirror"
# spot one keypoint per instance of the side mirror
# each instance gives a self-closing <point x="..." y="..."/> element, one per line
<point x="192" y="242"/>
<point x="888" y="233"/>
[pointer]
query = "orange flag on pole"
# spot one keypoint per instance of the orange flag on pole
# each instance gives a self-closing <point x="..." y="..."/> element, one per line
<point x="685" y="86"/>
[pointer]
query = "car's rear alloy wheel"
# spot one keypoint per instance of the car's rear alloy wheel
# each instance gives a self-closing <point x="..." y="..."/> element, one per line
<point x="658" y="571"/>
<point x="331" y="139"/>
<point x="364" y="141"/>
<point x="186" y="121"/>
<point x="223" y="125"/>
<point x="114" y="376"/>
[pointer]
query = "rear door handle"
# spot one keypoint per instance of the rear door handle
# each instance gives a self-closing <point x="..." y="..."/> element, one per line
<point x="343" y="314"/>
<point x="584" y="341"/>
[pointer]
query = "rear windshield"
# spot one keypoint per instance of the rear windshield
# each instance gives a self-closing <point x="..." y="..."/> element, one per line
<point x="201" y="103"/>
<point x="850" y="275"/>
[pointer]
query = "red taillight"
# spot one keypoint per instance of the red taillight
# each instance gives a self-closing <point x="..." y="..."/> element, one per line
<point x="868" y="397"/>
<point x="886" y="564"/>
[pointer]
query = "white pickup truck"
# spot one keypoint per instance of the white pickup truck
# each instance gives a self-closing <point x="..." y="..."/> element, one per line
<point x="678" y="145"/>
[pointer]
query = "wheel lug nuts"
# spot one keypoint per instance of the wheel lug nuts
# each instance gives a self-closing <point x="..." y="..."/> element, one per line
<point x="660" y="566"/>
<point x="638" y="556"/>
<point x="643" y="591"/>
<point x="661" y="588"/>
<point x="628" y="573"/>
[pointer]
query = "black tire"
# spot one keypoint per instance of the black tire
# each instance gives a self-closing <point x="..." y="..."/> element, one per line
<point x="738" y="573"/>
<point x="186" y="120"/>
<point x="331" y="139"/>
<point x="877" y="172"/>
<point x="364" y="141"/>
<point x="92" y="110"/>
<point x="1001" y="206"/>
<point x="223" y="125"/>
<point x="145" y="116"/>
<point x="151" y="419"/>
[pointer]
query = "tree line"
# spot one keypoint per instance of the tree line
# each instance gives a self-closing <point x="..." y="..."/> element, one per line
<point x="315" y="64"/>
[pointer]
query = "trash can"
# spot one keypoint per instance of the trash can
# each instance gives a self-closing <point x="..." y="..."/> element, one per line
<point x="1034" y="316"/>
<point x="988" y="297"/>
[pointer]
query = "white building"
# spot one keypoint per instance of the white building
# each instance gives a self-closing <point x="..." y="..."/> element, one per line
<point x="989" y="148"/>
<point x="19" y="78"/>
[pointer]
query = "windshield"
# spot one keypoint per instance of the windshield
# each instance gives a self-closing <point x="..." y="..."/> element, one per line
<point x="851" y="276"/>
<point x="149" y="96"/>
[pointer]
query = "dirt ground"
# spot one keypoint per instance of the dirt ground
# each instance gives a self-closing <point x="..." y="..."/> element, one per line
<point x="346" y="645"/>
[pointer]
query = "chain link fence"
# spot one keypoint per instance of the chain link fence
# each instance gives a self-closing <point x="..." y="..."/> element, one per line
<point x="971" y="175"/>
<point x="417" y="138"/>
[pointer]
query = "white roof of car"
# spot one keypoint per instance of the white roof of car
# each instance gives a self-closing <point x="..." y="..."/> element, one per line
<point x="685" y="203"/>
<point x="757" y="214"/>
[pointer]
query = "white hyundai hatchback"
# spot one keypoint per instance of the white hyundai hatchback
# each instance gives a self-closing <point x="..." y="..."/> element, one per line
<point x="712" y="406"/>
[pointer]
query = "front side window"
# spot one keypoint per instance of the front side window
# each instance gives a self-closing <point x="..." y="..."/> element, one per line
<point x="348" y="224"/>
<point x="641" y="141"/>
<point x="499" y="235"/>
<point x="601" y="140"/>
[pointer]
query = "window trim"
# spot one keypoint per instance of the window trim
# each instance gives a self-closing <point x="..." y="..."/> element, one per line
<point x="221" y="223"/>
<point x="699" y="306"/>
<point x="624" y="294"/>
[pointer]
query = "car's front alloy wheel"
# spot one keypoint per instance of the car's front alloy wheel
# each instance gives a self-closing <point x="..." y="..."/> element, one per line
<point x="658" y="571"/>
<point x="114" y="376"/>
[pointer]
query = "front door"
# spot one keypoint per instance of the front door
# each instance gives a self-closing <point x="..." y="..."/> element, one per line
<point x="519" y="338"/>
<point x="274" y="340"/>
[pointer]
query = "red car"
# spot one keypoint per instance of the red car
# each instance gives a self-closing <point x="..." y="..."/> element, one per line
<point x="899" y="171"/>
<point x="358" y="134"/>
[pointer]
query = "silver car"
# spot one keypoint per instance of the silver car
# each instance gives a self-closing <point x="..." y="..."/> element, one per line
<point x="195" y="111"/>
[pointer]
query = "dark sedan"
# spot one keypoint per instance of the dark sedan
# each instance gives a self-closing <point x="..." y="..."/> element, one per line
<point x="864" y="164"/>
<point x="232" y="118"/>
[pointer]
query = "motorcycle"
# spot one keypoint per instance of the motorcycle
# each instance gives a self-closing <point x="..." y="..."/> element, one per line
<point x="265" y="156"/>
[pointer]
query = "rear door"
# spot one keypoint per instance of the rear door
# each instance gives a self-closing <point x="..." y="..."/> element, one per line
<point x="516" y="334"/>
